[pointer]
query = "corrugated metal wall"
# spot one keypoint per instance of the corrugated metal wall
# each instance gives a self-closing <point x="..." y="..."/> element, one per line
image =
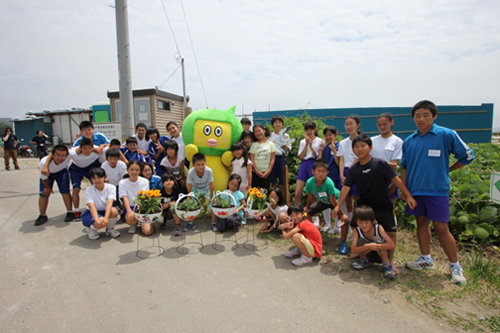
<point x="472" y="122"/>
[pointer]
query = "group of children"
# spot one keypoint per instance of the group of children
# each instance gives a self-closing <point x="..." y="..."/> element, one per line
<point x="358" y="171"/>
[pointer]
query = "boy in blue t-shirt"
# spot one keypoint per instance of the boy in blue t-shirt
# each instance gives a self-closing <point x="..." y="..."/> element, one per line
<point x="321" y="188"/>
<point x="425" y="165"/>
<point x="131" y="152"/>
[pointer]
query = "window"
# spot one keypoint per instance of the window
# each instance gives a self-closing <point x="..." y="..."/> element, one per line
<point x="163" y="105"/>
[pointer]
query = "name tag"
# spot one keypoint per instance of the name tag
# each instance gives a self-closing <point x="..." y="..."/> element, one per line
<point x="434" y="153"/>
<point x="391" y="148"/>
<point x="265" y="148"/>
<point x="322" y="194"/>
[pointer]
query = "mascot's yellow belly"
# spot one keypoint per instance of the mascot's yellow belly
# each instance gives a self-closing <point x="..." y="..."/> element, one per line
<point x="221" y="173"/>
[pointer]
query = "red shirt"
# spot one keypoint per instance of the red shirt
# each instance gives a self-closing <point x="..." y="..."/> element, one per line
<point x="312" y="233"/>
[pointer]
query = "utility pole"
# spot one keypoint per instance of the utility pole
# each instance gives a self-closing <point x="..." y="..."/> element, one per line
<point x="124" y="71"/>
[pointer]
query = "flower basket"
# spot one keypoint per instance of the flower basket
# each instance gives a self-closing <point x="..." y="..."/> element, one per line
<point x="187" y="207"/>
<point x="148" y="206"/>
<point x="223" y="204"/>
<point x="257" y="202"/>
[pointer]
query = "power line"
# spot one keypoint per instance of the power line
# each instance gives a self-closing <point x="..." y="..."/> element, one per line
<point x="171" y="29"/>
<point x="170" y="76"/>
<point x="194" y="54"/>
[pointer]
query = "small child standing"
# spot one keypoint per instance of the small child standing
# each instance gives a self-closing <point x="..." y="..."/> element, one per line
<point x="100" y="213"/>
<point x="247" y="138"/>
<point x="241" y="165"/>
<point x="246" y="124"/>
<point x="304" y="235"/>
<point x="328" y="152"/>
<point x="154" y="180"/>
<point x="131" y="153"/>
<point x="173" y="163"/>
<point x="278" y="171"/>
<point x="308" y="151"/>
<point x="371" y="242"/>
<point x="276" y="210"/>
<point x="262" y="154"/>
<point x="321" y="188"/>
<point x="170" y="194"/>
<point x="200" y="181"/>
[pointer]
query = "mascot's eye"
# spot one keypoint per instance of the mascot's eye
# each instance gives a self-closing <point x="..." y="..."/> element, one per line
<point x="218" y="131"/>
<point x="207" y="130"/>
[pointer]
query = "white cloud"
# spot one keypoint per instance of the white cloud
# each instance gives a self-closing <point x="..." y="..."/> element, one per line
<point x="255" y="53"/>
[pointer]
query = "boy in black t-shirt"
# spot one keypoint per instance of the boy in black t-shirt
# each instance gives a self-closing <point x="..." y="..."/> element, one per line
<point x="371" y="176"/>
<point x="40" y="140"/>
<point x="170" y="194"/>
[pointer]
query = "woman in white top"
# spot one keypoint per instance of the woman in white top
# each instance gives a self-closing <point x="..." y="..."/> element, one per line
<point x="387" y="147"/>
<point x="347" y="157"/>
<point x="308" y="151"/>
<point x="128" y="189"/>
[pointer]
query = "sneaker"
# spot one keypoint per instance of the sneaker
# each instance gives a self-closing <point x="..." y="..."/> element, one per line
<point x="41" y="220"/>
<point x="244" y="221"/>
<point x="290" y="254"/>
<point x="189" y="227"/>
<point x="325" y="229"/>
<point x="214" y="227"/>
<point x="132" y="229"/>
<point x="360" y="264"/>
<point x="457" y="275"/>
<point x="112" y="233"/>
<point x="177" y="231"/>
<point x="93" y="234"/>
<point x="389" y="272"/>
<point x="343" y="247"/>
<point x="18" y="168"/>
<point x="315" y="221"/>
<point x="303" y="260"/>
<point x="163" y="226"/>
<point x="420" y="263"/>
<point x="70" y="216"/>
<point x="78" y="215"/>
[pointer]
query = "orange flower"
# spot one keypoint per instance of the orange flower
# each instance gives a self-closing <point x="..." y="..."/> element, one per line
<point x="141" y="192"/>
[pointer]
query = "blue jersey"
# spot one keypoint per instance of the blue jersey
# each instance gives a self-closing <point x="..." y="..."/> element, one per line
<point x="153" y="150"/>
<point x="133" y="155"/>
<point x="155" y="183"/>
<point x="333" y="168"/>
<point x="426" y="160"/>
<point x="97" y="139"/>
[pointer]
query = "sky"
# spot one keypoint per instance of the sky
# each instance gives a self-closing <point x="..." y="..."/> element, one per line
<point x="257" y="55"/>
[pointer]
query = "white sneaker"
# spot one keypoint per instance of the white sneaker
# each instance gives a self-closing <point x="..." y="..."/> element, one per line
<point x="457" y="275"/>
<point x="325" y="229"/>
<point x="334" y="231"/>
<point x="131" y="229"/>
<point x="315" y="221"/>
<point x="93" y="234"/>
<point x="420" y="263"/>
<point x="293" y="253"/>
<point x="112" y="233"/>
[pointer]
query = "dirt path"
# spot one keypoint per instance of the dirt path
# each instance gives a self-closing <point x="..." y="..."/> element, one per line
<point x="54" y="279"/>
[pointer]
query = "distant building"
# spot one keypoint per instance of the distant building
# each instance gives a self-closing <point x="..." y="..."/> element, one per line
<point x="152" y="107"/>
<point x="472" y="122"/>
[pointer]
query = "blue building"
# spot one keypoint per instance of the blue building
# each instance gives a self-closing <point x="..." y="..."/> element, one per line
<point x="472" y="122"/>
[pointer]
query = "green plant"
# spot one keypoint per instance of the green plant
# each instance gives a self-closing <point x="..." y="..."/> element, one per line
<point x="148" y="202"/>
<point x="189" y="204"/>
<point x="223" y="201"/>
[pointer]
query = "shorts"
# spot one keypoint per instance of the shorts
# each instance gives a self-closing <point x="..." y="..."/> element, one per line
<point x="318" y="207"/>
<point x="374" y="257"/>
<point x="261" y="182"/>
<point x="277" y="171"/>
<point x="305" y="169"/>
<point x="88" y="220"/>
<point x="354" y="190"/>
<point x="308" y="245"/>
<point x="77" y="173"/>
<point x="62" y="179"/>
<point x="160" y="170"/>
<point x="335" y="177"/>
<point x="384" y="216"/>
<point x="436" y="209"/>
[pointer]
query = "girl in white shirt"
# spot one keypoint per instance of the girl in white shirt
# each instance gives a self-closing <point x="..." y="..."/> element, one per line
<point x="242" y="165"/>
<point x="308" y="151"/>
<point x="128" y="189"/>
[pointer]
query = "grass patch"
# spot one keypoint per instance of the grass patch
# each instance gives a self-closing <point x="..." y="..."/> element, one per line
<point x="473" y="307"/>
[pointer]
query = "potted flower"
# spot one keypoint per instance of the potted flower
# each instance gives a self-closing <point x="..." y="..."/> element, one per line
<point x="257" y="202"/>
<point x="187" y="207"/>
<point x="148" y="206"/>
<point x="223" y="204"/>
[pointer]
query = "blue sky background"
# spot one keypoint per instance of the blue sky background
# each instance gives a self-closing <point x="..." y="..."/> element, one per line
<point x="254" y="54"/>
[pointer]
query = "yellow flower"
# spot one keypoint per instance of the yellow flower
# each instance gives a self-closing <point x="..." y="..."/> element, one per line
<point x="141" y="192"/>
<point x="157" y="193"/>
